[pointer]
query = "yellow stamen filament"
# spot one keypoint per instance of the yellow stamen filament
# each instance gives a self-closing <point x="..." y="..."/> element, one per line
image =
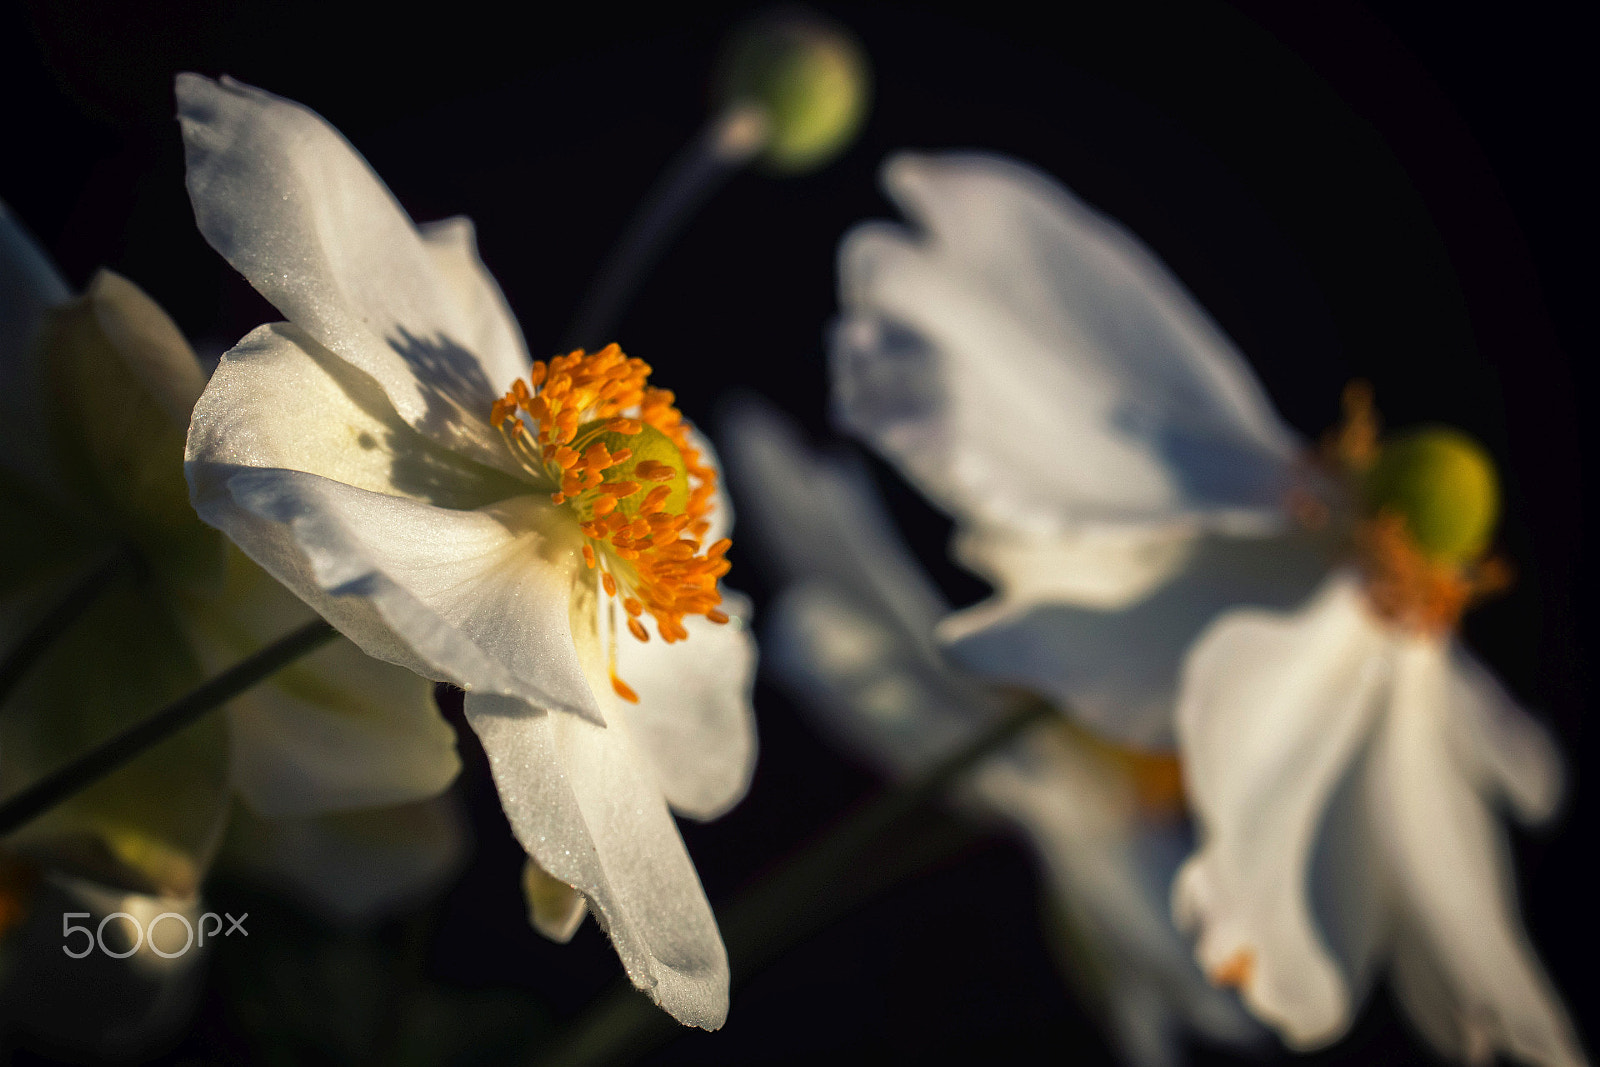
<point x="647" y="549"/>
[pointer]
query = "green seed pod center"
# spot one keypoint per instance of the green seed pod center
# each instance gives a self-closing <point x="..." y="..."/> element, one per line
<point x="1443" y="483"/>
<point x="652" y="451"/>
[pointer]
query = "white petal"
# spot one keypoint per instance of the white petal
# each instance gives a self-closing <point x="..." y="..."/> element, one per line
<point x="555" y="909"/>
<point x="1030" y="364"/>
<point x="1501" y="749"/>
<point x="1272" y="710"/>
<point x="1118" y="669"/>
<point x="149" y="343"/>
<point x="818" y="519"/>
<point x="334" y="731"/>
<point x="298" y="212"/>
<point x="694" y="720"/>
<point x="1448" y="859"/>
<point x="477" y="598"/>
<point x="582" y="800"/>
<point x="1111" y="872"/>
<point x="358" y="866"/>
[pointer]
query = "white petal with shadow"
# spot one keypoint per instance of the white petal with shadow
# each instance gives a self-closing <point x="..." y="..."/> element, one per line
<point x="582" y="800"/>
<point x="1028" y="363"/>
<point x="477" y="598"/>
<point x="1272" y="710"/>
<point x="296" y="210"/>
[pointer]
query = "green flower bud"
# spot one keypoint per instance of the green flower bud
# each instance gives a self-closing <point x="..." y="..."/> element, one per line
<point x="807" y="77"/>
<point x="1443" y="483"/>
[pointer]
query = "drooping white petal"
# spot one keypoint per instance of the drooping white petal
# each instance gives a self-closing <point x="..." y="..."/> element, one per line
<point x="1117" y="668"/>
<point x="1465" y="964"/>
<point x="286" y="200"/>
<point x="694" y="720"/>
<point x="582" y="799"/>
<point x="1029" y="364"/>
<point x="477" y="598"/>
<point x="1271" y="710"/>
<point x="1497" y="745"/>
<point x="357" y="866"/>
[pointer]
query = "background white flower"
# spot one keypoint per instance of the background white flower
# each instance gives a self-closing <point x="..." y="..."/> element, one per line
<point x="1342" y="766"/>
<point x="350" y="451"/>
<point x="852" y="634"/>
<point x="1114" y="467"/>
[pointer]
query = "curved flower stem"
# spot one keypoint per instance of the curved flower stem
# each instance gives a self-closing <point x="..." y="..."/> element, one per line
<point x="62" y="614"/>
<point x="792" y="900"/>
<point x="110" y="755"/>
<point x="730" y="141"/>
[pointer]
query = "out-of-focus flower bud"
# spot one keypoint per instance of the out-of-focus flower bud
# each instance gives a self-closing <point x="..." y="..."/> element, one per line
<point x="1443" y="483"/>
<point x="807" y="77"/>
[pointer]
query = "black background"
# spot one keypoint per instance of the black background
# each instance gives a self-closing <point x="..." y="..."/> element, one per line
<point x="1395" y="192"/>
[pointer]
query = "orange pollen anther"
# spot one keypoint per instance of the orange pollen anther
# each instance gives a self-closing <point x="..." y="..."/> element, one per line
<point x="1236" y="971"/>
<point x="1409" y="590"/>
<point x="640" y="532"/>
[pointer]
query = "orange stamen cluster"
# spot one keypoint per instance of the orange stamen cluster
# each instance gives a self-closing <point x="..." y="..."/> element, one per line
<point x="648" y="552"/>
<point x="1408" y="589"/>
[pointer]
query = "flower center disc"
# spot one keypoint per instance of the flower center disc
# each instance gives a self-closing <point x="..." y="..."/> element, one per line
<point x="617" y="453"/>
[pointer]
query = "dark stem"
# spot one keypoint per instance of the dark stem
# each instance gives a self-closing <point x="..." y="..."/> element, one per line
<point x="110" y="755"/>
<point x="727" y="144"/>
<point x="58" y="619"/>
<point x="792" y="900"/>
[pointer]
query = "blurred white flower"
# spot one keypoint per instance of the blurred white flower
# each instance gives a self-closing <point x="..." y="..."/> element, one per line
<point x="368" y="454"/>
<point x="1120" y="475"/>
<point x="98" y="392"/>
<point x="852" y="633"/>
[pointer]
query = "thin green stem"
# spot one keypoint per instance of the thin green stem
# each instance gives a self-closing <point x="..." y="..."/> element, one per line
<point x="792" y="900"/>
<point x="727" y="144"/>
<point x="59" y="617"/>
<point x="112" y="754"/>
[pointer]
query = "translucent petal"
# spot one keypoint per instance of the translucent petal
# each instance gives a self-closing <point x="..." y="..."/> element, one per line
<point x="357" y="866"/>
<point x="1117" y="668"/>
<point x="1468" y="970"/>
<point x="1272" y="710"/>
<point x="334" y="731"/>
<point x="1029" y="364"/>
<point x="286" y="200"/>
<point x="582" y="800"/>
<point x="1500" y="748"/>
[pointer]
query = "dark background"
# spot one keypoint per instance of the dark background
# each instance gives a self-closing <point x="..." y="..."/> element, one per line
<point x="1390" y="191"/>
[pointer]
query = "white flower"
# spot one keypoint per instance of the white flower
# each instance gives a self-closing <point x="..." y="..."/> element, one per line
<point x="1120" y="475"/>
<point x="98" y="391"/>
<point x="852" y="632"/>
<point x="368" y="454"/>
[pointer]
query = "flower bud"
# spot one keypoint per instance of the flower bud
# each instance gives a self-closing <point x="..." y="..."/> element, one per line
<point x="807" y="77"/>
<point x="1443" y="484"/>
